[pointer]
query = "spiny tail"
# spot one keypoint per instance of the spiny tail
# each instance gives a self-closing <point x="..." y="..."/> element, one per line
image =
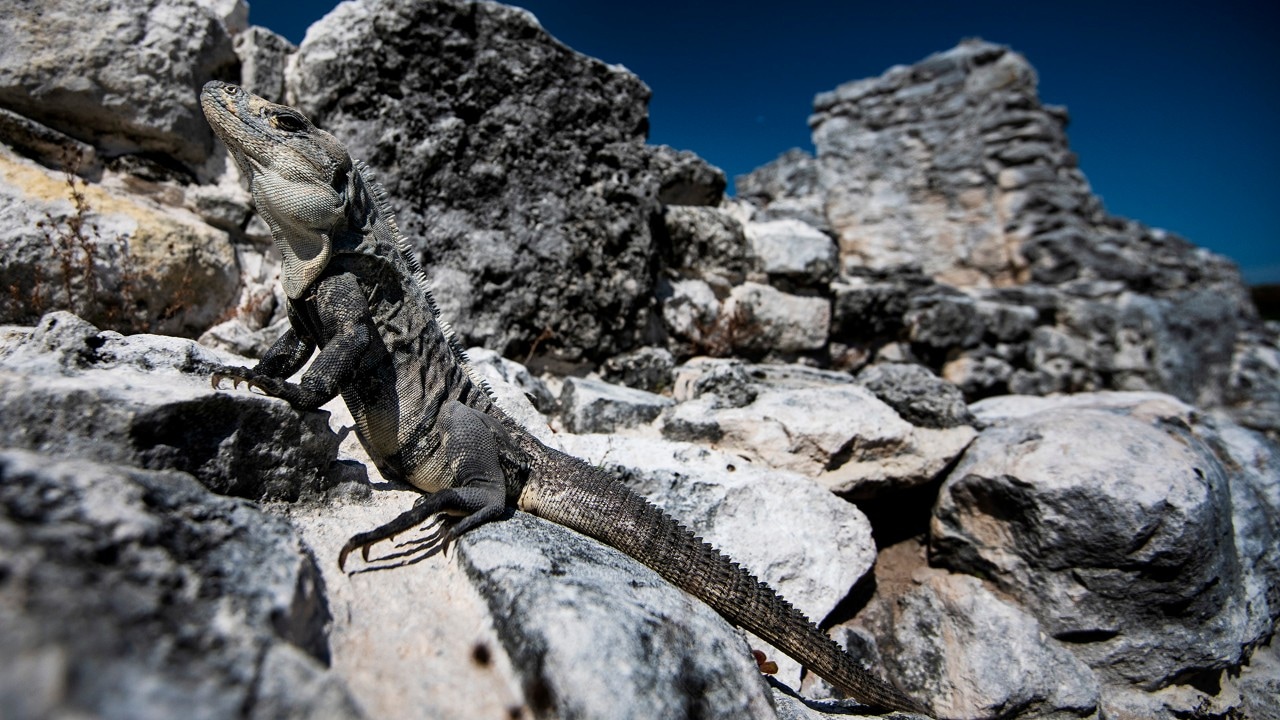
<point x="596" y="505"/>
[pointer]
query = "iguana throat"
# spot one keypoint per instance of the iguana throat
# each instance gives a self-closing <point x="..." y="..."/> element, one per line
<point x="298" y="175"/>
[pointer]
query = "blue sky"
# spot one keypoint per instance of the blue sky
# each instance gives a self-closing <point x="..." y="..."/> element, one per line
<point x="1175" y="106"/>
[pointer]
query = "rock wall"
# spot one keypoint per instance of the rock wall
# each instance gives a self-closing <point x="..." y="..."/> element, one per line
<point x="969" y="241"/>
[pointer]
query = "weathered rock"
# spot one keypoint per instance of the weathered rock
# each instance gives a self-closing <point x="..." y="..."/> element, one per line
<point x="263" y="55"/>
<point x="594" y="406"/>
<point x="729" y="382"/>
<point x="1252" y="393"/>
<point x="690" y="316"/>
<point x="706" y="243"/>
<point x="822" y="426"/>
<point x="793" y="251"/>
<point x="686" y="179"/>
<point x="520" y="393"/>
<point x="517" y="165"/>
<point x="823" y="545"/>
<point x="954" y="167"/>
<point x="134" y="593"/>
<point x="943" y="321"/>
<point x="67" y="389"/>
<point x="1259" y="685"/>
<point x="120" y="259"/>
<point x="1115" y="533"/>
<point x="788" y="187"/>
<point x="759" y="320"/>
<point x="47" y="146"/>
<point x="647" y="368"/>
<point x="819" y="548"/>
<point x="575" y="614"/>
<point x="951" y="639"/>
<point x="920" y="397"/>
<point x="871" y="306"/>
<point x="127" y="83"/>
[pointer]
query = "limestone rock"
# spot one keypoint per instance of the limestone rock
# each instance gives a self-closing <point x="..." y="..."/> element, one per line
<point x="520" y="393"/>
<point x="594" y="406"/>
<point x="68" y="389"/>
<point x="919" y="396"/>
<point x="952" y="168"/>
<point x="120" y="259"/>
<point x="794" y="251"/>
<point x="1252" y="393"/>
<point x="872" y="306"/>
<point x="1115" y="533"/>
<point x="646" y="368"/>
<point x="951" y="639"/>
<point x="686" y="179"/>
<point x="263" y="55"/>
<point x="815" y="547"/>
<point x="707" y="244"/>
<point x="642" y="646"/>
<point x="1260" y="684"/>
<point x="47" y="146"/>
<point x="138" y="593"/>
<point x="127" y="84"/>
<point x="517" y="164"/>
<point x="788" y="187"/>
<point x="822" y="426"/>
<point x="759" y="320"/>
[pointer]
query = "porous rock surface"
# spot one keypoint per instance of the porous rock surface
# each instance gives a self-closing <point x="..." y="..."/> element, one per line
<point x="511" y="158"/>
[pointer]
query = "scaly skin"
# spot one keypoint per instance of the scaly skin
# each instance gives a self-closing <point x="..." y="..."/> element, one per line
<point x="355" y="293"/>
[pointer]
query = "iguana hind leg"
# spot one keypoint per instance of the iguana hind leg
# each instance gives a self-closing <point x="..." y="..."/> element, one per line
<point x="479" y="492"/>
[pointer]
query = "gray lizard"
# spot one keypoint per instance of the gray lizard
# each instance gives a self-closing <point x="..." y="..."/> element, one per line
<point x="356" y="292"/>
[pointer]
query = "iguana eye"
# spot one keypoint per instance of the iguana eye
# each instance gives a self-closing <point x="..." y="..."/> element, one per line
<point x="231" y="90"/>
<point x="288" y="123"/>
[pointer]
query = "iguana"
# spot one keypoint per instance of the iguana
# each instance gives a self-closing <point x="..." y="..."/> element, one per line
<point x="356" y="292"/>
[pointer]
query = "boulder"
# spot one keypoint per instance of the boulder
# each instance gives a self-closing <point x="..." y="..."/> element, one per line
<point x="516" y="165"/>
<point x="263" y="56"/>
<point x="949" y="638"/>
<point x="121" y="77"/>
<point x="138" y="593"/>
<point x="642" y="646"/>
<point x="809" y="545"/>
<point x="120" y="259"/>
<point x="820" y="425"/>
<point x="920" y="397"/>
<point x="793" y="251"/>
<point x="647" y="368"/>
<point x="68" y="389"/>
<point x="760" y="320"/>
<point x="686" y="179"/>
<point x="705" y="243"/>
<point x="1116" y="532"/>
<point x="594" y="406"/>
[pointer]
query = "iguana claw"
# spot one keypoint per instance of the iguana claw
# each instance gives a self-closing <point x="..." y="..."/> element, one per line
<point x="236" y="375"/>
<point x="264" y="384"/>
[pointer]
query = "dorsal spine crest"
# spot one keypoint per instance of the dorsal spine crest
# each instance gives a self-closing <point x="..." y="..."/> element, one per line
<point x="385" y="214"/>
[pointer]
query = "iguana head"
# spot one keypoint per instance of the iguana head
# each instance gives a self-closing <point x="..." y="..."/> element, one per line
<point x="298" y="174"/>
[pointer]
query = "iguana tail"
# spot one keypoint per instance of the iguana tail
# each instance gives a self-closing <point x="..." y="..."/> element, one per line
<point x="587" y="500"/>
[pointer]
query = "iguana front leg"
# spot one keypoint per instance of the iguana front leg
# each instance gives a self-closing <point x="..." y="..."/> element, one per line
<point x="347" y="327"/>
<point x="472" y="443"/>
<point x="286" y="356"/>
